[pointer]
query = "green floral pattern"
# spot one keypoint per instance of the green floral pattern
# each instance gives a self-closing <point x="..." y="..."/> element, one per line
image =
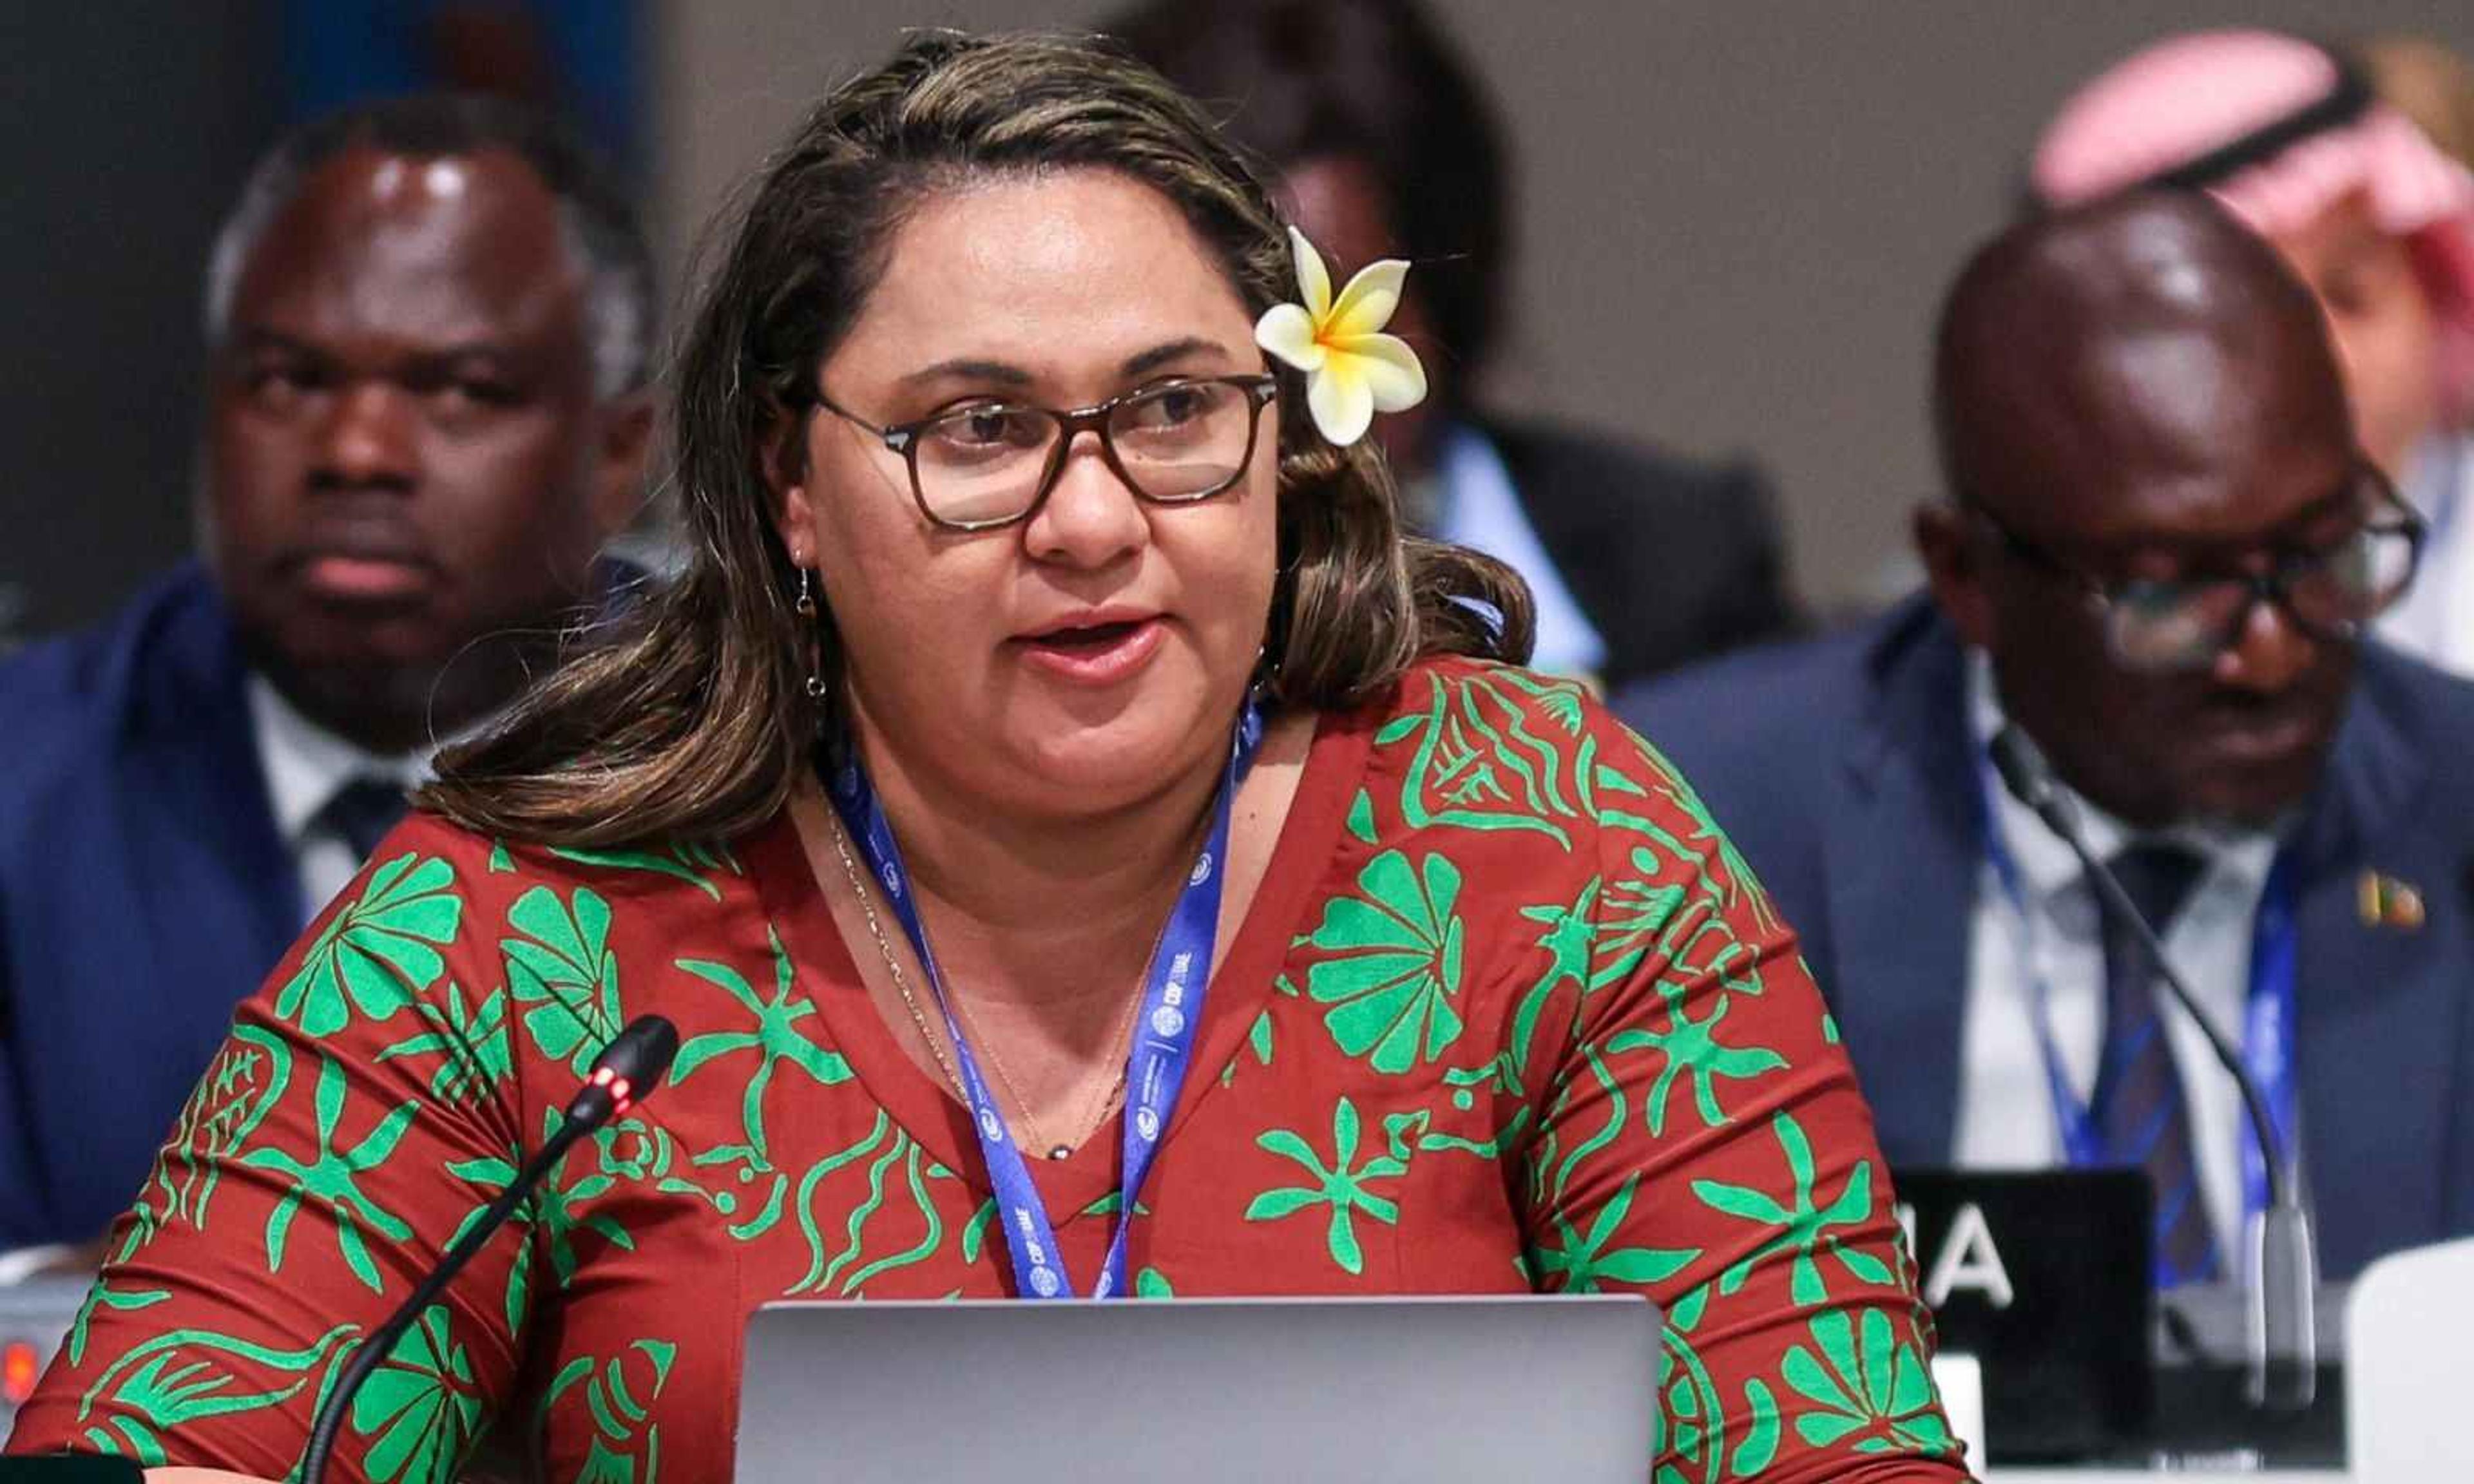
<point x="1395" y="963"/>
<point x="1798" y="1225"/>
<point x="380" y="952"/>
<point x="420" y="1409"/>
<point x="775" y="1038"/>
<point x="561" y="966"/>
<point x="331" y="1180"/>
<point x="1869" y="1388"/>
<point x="1533" y="1026"/>
<point x="1344" y="1186"/>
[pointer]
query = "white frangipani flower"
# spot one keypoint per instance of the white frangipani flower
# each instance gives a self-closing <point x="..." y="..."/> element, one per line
<point x="1353" y="370"/>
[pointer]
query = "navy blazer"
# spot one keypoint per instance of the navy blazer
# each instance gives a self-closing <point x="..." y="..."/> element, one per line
<point x="1844" y="770"/>
<point x="144" y="890"/>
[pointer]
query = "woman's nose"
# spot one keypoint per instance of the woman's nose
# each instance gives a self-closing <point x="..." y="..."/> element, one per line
<point x="1091" y="516"/>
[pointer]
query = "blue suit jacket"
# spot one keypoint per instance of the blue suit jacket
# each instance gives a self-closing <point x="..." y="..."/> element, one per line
<point x="1844" y="770"/>
<point x="143" y="891"/>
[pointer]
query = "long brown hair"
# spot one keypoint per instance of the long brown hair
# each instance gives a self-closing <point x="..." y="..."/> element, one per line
<point x="692" y="721"/>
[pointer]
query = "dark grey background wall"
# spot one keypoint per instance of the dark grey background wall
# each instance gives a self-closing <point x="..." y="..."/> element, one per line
<point x="1737" y="215"/>
<point x="126" y="128"/>
<point x="1735" y="218"/>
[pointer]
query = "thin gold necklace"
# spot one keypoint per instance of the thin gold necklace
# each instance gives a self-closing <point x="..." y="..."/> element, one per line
<point x="1091" y="1118"/>
<point x="1093" y="1112"/>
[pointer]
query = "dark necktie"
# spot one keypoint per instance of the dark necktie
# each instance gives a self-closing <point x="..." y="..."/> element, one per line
<point x="362" y="811"/>
<point x="2138" y="1108"/>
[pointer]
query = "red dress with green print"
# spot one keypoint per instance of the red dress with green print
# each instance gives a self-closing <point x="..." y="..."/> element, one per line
<point x="1506" y="1013"/>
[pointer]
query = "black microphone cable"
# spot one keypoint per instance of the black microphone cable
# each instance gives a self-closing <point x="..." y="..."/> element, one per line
<point x="628" y="1068"/>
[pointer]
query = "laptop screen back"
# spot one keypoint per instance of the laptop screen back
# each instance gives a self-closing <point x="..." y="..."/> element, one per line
<point x="1202" y="1391"/>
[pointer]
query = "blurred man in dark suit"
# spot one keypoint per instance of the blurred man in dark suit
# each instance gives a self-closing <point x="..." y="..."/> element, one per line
<point x="2162" y="545"/>
<point x="1386" y="147"/>
<point x="427" y="325"/>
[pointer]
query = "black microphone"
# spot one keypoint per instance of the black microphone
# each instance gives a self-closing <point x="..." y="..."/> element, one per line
<point x="2283" y="1337"/>
<point x="628" y="1068"/>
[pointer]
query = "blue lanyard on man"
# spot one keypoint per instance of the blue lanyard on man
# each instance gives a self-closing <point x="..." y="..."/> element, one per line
<point x="1163" y="1039"/>
<point x="2267" y="1012"/>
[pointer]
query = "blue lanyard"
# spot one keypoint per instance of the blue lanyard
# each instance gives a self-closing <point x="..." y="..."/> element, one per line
<point x="2267" y="1015"/>
<point x="2267" y="1023"/>
<point x="1156" y="1063"/>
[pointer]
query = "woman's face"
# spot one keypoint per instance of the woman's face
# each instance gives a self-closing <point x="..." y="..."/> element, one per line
<point x="2382" y="321"/>
<point x="1088" y="657"/>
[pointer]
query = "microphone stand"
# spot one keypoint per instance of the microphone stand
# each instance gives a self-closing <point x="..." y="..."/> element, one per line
<point x="2283" y="1344"/>
<point x="634" y="1062"/>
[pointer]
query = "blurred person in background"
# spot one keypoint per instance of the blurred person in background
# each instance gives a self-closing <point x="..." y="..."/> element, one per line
<point x="1036" y="614"/>
<point x="2428" y="84"/>
<point x="426" y="323"/>
<point x="1384" y="145"/>
<point x="2291" y="136"/>
<point x="582" y="60"/>
<point x="2160" y="546"/>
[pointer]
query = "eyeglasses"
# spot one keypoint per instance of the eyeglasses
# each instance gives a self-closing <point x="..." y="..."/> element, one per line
<point x="988" y="463"/>
<point x="2330" y="591"/>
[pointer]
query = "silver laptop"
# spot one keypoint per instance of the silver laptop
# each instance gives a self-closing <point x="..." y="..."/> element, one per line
<point x="1203" y="1391"/>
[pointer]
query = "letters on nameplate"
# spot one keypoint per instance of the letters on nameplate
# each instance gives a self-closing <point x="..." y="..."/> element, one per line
<point x="2042" y="1275"/>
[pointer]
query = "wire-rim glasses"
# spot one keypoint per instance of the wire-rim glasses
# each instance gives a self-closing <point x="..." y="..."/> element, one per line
<point x="2330" y="591"/>
<point x="986" y="464"/>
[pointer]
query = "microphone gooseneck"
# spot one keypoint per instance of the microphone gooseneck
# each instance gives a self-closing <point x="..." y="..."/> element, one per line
<point x="2030" y="780"/>
<point x="628" y="1068"/>
<point x="2283" y="1338"/>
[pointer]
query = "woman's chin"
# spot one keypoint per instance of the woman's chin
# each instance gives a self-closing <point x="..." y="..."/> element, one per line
<point x="1111" y="764"/>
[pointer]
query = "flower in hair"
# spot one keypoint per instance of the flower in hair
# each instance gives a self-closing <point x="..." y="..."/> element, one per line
<point x="1353" y="369"/>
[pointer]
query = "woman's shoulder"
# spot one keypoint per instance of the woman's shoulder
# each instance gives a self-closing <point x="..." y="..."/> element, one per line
<point x="1572" y="705"/>
<point x="1498" y="738"/>
<point x="1518" y="777"/>
<point x="430" y="851"/>
<point x="447" y="938"/>
<point x="438" y="903"/>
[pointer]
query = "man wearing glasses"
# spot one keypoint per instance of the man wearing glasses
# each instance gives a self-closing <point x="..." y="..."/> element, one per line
<point x="2161" y="549"/>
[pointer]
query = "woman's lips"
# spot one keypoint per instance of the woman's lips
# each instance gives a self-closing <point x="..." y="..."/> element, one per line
<point x="1097" y="654"/>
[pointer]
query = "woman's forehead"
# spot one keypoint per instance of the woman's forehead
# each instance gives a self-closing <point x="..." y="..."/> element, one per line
<point x="1032" y="269"/>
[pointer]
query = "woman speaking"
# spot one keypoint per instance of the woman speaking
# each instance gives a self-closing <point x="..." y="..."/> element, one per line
<point x="1084" y="850"/>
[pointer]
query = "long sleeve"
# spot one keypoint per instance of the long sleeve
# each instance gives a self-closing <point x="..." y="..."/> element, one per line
<point x="359" y="1112"/>
<point x="1700" y="1138"/>
<point x="1510" y="1015"/>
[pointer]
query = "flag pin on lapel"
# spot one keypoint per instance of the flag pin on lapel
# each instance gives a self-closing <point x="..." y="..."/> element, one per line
<point x="2385" y="901"/>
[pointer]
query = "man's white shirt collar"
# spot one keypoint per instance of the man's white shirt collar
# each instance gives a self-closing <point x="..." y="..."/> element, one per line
<point x="304" y="764"/>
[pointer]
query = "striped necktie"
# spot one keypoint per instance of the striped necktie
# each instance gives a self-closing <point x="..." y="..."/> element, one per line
<point x="2138" y="1108"/>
